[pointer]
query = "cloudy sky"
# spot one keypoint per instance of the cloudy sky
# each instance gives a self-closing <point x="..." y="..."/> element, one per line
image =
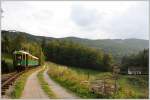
<point x="85" y="19"/>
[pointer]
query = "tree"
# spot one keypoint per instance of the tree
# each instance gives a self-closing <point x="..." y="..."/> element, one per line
<point x="140" y="59"/>
<point x="107" y="60"/>
<point x="43" y="43"/>
<point x="6" y="43"/>
<point x="73" y="54"/>
<point x="20" y="40"/>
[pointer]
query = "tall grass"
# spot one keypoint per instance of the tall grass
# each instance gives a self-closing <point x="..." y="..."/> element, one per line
<point x="133" y="86"/>
<point x="75" y="79"/>
<point x="71" y="80"/>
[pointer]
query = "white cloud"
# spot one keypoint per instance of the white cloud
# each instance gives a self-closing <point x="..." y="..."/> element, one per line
<point x="90" y="19"/>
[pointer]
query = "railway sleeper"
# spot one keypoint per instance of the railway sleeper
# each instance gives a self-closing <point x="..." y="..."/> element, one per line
<point x="10" y="83"/>
<point x="3" y="92"/>
<point x="5" y="87"/>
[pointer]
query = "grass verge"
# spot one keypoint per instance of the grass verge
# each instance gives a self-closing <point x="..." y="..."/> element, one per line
<point x="71" y="80"/>
<point x="20" y="83"/>
<point x="45" y="85"/>
<point x="130" y="86"/>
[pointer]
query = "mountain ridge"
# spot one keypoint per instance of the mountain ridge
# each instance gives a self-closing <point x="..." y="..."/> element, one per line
<point x="117" y="47"/>
<point x="74" y="36"/>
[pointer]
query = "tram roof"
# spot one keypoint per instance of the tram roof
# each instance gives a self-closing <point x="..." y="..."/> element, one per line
<point x="24" y="52"/>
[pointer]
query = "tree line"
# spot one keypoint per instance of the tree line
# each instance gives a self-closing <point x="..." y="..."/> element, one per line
<point x="73" y="54"/>
<point x="20" y="42"/>
<point x="68" y="53"/>
<point x="58" y="51"/>
<point x="140" y="59"/>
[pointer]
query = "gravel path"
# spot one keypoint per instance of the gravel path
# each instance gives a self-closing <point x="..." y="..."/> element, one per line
<point x="60" y="92"/>
<point x="32" y="88"/>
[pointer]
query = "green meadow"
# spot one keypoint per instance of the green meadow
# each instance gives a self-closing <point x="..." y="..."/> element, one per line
<point x="79" y="80"/>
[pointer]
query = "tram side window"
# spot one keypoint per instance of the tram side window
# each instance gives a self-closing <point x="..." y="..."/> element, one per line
<point x="18" y="57"/>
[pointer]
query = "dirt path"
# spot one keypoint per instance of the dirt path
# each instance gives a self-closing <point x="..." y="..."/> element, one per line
<point x="32" y="88"/>
<point x="61" y="92"/>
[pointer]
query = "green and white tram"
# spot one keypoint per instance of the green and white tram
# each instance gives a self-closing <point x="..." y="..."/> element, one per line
<point x="23" y="59"/>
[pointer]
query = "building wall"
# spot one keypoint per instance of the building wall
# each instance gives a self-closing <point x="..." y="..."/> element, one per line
<point x="134" y="72"/>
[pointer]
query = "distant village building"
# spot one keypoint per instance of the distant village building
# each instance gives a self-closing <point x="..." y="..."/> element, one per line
<point x="132" y="70"/>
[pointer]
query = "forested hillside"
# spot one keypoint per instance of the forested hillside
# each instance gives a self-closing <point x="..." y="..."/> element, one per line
<point x="117" y="47"/>
<point x="73" y="54"/>
<point x="14" y="41"/>
<point x="139" y="60"/>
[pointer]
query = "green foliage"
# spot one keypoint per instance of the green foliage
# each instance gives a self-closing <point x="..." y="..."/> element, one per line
<point x="72" y="54"/>
<point x="19" y="41"/>
<point x="45" y="85"/>
<point x="71" y="80"/>
<point x="139" y="60"/>
<point x="117" y="47"/>
<point x="7" y="63"/>
<point x="6" y="44"/>
<point x="134" y="86"/>
<point x="107" y="61"/>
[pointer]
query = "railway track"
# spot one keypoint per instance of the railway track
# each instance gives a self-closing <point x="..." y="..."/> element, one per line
<point x="8" y="81"/>
<point x="6" y="76"/>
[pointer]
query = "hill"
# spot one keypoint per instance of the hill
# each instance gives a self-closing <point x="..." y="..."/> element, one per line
<point x="117" y="47"/>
